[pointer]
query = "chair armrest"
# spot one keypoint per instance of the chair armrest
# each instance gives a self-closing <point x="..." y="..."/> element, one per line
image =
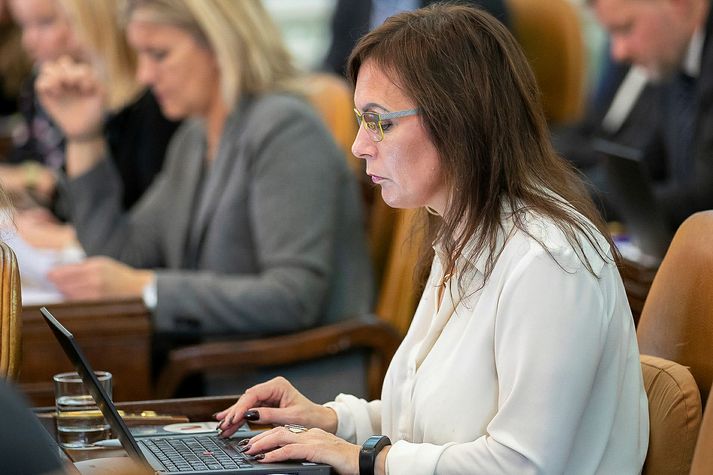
<point x="362" y="332"/>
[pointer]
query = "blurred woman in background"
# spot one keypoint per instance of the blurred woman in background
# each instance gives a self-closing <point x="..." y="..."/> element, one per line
<point x="85" y="35"/>
<point x="254" y="225"/>
<point x="29" y="175"/>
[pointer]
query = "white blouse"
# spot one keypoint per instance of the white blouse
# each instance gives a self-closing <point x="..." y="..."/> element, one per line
<point x="536" y="372"/>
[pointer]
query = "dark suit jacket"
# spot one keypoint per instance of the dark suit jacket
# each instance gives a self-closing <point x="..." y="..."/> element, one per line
<point x="25" y="446"/>
<point x="351" y="21"/>
<point x="574" y="142"/>
<point x="681" y="196"/>
<point x="681" y="188"/>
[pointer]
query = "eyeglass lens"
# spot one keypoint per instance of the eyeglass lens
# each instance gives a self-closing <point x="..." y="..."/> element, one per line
<point x="372" y="125"/>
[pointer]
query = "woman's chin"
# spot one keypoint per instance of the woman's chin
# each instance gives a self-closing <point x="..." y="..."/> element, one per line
<point x="171" y="111"/>
<point x="393" y="201"/>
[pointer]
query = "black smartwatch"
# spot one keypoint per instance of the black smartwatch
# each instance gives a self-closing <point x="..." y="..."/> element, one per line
<point x="369" y="451"/>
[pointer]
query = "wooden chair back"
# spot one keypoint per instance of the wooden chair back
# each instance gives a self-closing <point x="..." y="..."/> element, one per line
<point x="399" y="246"/>
<point x="10" y="314"/>
<point x="677" y="319"/>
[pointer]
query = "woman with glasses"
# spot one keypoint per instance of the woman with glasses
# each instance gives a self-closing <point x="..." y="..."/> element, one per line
<point x="254" y="224"/>
<point x="522" y="354"/>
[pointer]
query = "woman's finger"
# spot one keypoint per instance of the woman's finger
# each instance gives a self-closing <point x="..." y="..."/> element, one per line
<point x="296" y="451"/>
<point x="273" y="438"/>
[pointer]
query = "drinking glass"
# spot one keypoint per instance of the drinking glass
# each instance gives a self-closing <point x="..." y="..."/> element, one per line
<point x="79" y="422"/>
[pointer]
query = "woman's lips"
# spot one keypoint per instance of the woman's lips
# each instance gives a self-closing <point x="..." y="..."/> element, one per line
<point x="376" y="178"/>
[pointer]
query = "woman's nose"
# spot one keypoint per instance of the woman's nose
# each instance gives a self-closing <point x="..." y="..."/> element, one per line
<point x="145" y="72"/>
<point x="363" y="146"/>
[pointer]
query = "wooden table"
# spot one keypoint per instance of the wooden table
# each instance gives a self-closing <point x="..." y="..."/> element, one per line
<point x="194" y="408"/>
<point x="114" y="335"/>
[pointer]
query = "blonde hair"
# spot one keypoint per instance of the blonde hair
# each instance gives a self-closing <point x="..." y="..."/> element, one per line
<point x="96" y="25"/>
<point x="247" y="44"/>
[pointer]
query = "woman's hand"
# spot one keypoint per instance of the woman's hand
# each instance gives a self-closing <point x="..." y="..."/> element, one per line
<point x="98" y="278"/>
<point x="276" y="402"/>
<point x="73" y="96"/>
<point x="29" y="182"/>
<point x="313" y="445"/>
<point x="39" y="228"/>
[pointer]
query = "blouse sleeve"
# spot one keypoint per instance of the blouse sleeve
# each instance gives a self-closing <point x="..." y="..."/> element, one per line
<point x="357" y="419"/>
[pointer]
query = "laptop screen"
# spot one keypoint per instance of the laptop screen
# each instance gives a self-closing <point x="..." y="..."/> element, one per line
<point x="236" y="461"/>
<point x="630" y="191"/>
<point x="106" y="406"/>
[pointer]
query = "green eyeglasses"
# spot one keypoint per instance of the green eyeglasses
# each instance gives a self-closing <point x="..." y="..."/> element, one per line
<point x="374" y="123"/>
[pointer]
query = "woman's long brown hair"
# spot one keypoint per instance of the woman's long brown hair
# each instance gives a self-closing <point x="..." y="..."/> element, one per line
<point x="479" y="102"/>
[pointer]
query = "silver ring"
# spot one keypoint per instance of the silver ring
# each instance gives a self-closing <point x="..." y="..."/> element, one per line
<point x="296" y="428"/>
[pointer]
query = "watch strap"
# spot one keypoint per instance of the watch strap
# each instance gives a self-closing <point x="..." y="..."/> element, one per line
<point x="369" y="451"/>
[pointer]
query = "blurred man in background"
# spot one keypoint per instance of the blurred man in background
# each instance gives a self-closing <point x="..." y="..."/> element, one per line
<point x="669" y="39"/>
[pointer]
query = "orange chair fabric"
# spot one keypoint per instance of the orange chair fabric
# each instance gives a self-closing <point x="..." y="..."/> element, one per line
<point x="674" y="416"/>
<point x="703" y="456"/>
<point x="551" y="37"/>
<point x="677" y="319"/>
<point x="398" y="292"/>
<point x="333" y="98"/>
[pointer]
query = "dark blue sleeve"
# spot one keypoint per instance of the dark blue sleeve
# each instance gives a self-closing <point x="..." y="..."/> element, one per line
<point x="25" y="446"/>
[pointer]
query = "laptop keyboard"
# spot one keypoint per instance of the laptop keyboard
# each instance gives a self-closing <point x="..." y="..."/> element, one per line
<point x="197" y="453"/>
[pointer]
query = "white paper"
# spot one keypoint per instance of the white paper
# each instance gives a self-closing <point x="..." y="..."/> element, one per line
<point x="34" y="265"/>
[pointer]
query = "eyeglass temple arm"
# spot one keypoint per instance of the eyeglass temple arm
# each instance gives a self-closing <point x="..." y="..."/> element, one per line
<point x="396" y="115"/>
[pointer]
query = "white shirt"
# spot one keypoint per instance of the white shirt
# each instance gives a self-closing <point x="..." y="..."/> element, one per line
<point x="537" y="372"/>
<point x="694" y="54"/>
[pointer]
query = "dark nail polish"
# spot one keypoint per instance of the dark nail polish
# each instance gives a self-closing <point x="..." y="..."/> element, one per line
<point x="243" y="442"/>
<point x="246" y="448"/>
<point x="258" y="457"/>
<point x="251" y="415"/>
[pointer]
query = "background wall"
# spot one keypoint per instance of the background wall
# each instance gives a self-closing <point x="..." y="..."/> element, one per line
<point x="305" y="27"/>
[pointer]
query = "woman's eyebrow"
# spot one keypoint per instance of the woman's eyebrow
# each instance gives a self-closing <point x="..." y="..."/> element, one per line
<point x="374" y="105"/>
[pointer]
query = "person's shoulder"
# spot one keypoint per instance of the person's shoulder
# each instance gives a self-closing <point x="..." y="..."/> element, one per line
<point x="280" y="104"/>
<point x="270" y="116"/>
<point x="189" y="129"/>
<point x="541" y="236"/>
<point x="189" y="133"/>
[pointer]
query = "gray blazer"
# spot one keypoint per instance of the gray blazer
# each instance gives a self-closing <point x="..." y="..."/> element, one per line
<point x="270" y="240"/>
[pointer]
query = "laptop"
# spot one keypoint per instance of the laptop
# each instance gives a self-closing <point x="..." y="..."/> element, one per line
<point x="203" y="454"/>
<point x="631" y="192"/>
